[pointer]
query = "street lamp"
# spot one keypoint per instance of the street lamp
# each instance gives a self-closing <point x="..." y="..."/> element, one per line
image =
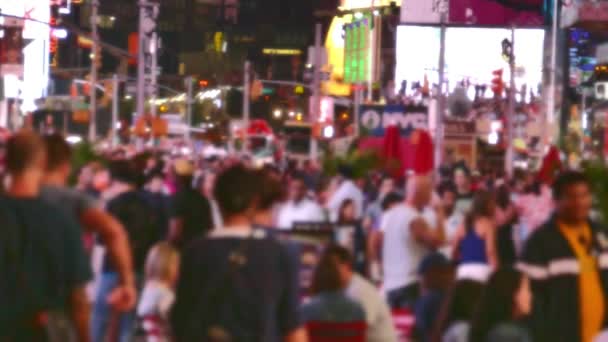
<point x="277" y="113"/>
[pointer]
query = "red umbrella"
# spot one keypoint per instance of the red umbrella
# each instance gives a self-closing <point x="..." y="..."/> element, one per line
<point x="391" y="151"/>
<point x="422" y="144"/>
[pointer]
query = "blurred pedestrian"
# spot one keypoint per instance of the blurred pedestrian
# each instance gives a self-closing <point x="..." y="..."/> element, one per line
<point x="139" y="219"/>
<point x="85" y="210"/>
<point x="436" y="277"/>
<point x="237" y="283"/>
<point x="410" y="232"/>
<point x="565" y="259"/>
<point x="299" y="208"/>
<point x="380" y="326"/>
<point x="158" y="295"/>
<point x="191" y="213"/>
<point x="329" y="302"/>
<point x="454" y="320"/>
<point x="476" y="241"/>
<point x="207" y="187"/>
<point x="43" y="265"/>
<point x="504" y="305"/>
<point x="347" y="189"/>
<point x="453" y="219"/>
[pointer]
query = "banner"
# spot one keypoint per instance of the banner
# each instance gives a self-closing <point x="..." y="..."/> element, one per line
<point x="421" y="11"/>
<point x="11" y="49"/>
<point x="375" y="119"/>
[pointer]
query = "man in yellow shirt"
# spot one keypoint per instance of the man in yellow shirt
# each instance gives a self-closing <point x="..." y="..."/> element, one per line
<point x="567" y="261"/>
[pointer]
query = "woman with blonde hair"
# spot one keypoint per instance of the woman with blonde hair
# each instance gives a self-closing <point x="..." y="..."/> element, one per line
<point x="162" y="265"/>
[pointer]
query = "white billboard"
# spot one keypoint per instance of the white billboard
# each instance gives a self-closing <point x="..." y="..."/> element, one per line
<point x="422" y="11"/>
<point x="36" y="31"/>
<point x="471" y="54"/>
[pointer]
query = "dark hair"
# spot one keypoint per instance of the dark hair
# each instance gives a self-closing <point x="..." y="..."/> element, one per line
<point x="481" y="207"/>
<point x="326" y="277"/>
<point x="125" y="171"/>
<point x="22" y="149"/>
<point x="447" y="186"/>
<point x="567" y="179"/>
<point x="497" y="302"/>
<point x="235" y="190"/>
<point x="390" y="199"/>
<point x="460" y="305"/>
<point x="58" y="151"/>
<point x="269" y="190"/>
<point x="343" y="206"/>
<point x="341" y="254"/>
<point x="503" y="196"/>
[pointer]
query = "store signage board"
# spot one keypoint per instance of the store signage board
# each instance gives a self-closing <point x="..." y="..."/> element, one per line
<point x="375" y="119"/>
<point x="356" y="51"/>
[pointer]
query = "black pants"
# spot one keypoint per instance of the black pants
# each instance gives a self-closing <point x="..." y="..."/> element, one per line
<point x="403" y="297"/>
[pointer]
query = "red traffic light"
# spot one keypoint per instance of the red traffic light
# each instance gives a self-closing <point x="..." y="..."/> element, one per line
<point x="497" y="83"/>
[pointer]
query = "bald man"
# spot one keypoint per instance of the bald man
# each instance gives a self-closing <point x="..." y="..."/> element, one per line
<point x="409" y="233"/>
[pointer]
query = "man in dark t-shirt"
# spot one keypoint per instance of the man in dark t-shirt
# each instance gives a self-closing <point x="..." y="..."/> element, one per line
<point x="139" y="219"/>
<point x="43" y="265"/>
<point x="237" y="282"/>
<point x="191" y="212"/>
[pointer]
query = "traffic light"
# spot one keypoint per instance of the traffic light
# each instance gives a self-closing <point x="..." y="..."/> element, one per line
<point x="203" y="83"/>
<point x="507" y="50"/>
<point x="497" y="83"/>
<point x="256" y="90"/>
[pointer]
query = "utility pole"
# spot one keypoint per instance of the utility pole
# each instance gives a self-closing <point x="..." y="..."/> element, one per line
<point x="146" y="57"/>
<point x="316" y="89"/>
<point x="246" y="105"/>
<point x="96" y="50"/>
<point x="440" y="95"/>
<point x="154" y="46"/>
<point x="357" y="108"/>
<point x="141" y="68"/>
<point x="189" y="101"/>
<point x="114" y="126"/>
<point x="549" y="118"/>
<point x="510" y="118"/>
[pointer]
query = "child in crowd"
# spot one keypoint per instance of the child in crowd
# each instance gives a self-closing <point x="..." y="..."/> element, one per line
<point x="162" y="265"/>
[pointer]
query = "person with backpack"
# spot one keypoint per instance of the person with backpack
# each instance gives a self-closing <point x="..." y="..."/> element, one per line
<point x="138" y="217"/>
<point x="237" y="283"/>
<point x="43" y="266"/>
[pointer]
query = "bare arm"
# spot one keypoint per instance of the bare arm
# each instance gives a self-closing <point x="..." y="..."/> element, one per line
<point x="298" y="335"/>
<point x="431" y="238"/>
<point x="115" y="239"/>
<point x="80" y="312"/>
<point x="490" y="238"/>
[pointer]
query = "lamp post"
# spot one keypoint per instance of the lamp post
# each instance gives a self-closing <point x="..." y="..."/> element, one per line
<point x="95" y="49"/>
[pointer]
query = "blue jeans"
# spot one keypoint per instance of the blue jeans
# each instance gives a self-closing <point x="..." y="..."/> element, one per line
<point x="103" y="313"/>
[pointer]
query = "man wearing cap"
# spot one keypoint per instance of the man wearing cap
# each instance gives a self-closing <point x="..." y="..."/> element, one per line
<point x="191" y="212"/>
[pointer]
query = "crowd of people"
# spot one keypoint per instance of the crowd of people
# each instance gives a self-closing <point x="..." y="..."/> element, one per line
<point x="150" y="246"/>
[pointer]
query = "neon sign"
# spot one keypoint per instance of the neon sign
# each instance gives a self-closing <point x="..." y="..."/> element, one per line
<point x="53" y="43"/>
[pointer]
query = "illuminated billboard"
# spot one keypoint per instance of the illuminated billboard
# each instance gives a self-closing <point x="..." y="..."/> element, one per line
<point x="357" y="51"/>
<point x="36" y="34"/>
<point x="471" y="54"/>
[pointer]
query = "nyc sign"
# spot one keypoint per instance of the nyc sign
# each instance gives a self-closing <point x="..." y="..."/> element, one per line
<point x="375" y="119"/>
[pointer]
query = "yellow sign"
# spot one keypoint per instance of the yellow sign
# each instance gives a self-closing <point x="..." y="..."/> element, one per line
<point x="282" y="52"/>
<point x="218" y="41"/>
